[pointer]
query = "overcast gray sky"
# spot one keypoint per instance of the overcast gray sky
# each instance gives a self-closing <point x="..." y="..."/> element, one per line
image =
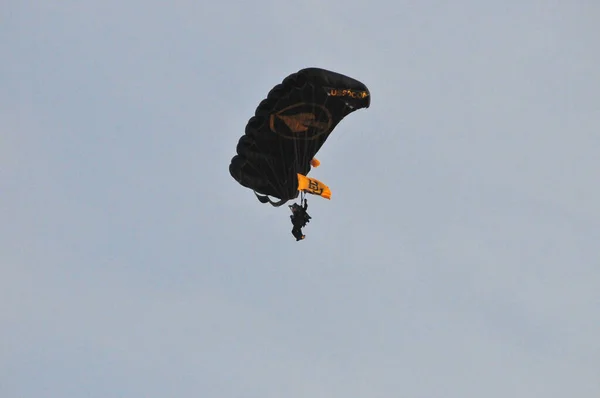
<point x="458" y="256"/>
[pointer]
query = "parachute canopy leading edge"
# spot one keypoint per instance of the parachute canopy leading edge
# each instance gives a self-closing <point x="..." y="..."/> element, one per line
<point x="289" y="127"/>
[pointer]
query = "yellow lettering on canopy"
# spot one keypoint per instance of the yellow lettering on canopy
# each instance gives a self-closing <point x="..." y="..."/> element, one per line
<point x="337" y="92"/>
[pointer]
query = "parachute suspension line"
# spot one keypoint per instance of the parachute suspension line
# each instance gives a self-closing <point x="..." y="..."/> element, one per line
<point x="291" y="173"/>
<point x="265" y="198"/>
<point x="308" y="145"/>
<point x="278" y="184"/>
<point x="311" y="145"/>
<point x="297" y="160"/>
<point x="303" y="146"/>
<point x="271" y="165"/>
<point x="263" y="173"/>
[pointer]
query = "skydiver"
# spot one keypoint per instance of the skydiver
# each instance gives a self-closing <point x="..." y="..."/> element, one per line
<point x="299" y="219"/>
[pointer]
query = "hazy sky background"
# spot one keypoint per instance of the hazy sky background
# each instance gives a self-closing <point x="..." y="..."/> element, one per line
<point x="458" y="257"/>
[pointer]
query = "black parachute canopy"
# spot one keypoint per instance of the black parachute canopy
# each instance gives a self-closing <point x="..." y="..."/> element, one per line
<point x="290" y="126"/>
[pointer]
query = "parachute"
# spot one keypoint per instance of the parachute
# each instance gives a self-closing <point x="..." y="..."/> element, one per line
<point x="288" y="128"/>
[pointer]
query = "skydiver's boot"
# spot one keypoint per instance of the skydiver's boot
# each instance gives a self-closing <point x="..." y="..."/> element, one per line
<point x="297" y="234"/>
